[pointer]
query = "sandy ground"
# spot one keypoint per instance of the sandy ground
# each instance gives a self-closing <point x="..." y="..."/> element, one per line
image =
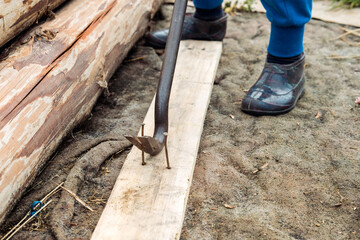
<point x="293" y="176"/>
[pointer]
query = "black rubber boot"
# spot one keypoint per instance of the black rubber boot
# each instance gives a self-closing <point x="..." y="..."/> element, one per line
<point x="193" y="28"/>
<point x="277" y="90"/>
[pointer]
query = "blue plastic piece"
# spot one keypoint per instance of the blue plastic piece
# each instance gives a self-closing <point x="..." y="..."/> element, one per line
<point x="33" y="205"/>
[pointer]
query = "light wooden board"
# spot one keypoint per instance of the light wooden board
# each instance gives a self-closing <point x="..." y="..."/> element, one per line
<point x="149" y="202"/>
<point x="325" y="11"/>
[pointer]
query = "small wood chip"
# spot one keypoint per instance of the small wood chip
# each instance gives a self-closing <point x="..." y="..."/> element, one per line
<point x="318" y="115"/>
<point x="102" y="84"/>
<point x="260" y="168"/>
<point x="77" y="198"/>
<point x="264" y="166"/>
<point x="317" y="224"/>
<point x="231" y="116"/>
<point x="336" y="57"/>
<point x="229" y="206"/>
<point x="135" y="59"/>
<point x="332" y="112"/>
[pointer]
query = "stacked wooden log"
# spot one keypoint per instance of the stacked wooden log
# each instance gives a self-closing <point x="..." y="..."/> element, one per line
<point x="50" y="80"/>
<point x="16" y="16"/>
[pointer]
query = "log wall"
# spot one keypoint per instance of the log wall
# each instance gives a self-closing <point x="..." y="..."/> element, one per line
<point x="16" y="15"/>
<point x="50" y="82"/>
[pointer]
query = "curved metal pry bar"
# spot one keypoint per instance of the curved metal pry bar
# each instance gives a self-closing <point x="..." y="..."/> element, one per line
<point x="154" y="145"/>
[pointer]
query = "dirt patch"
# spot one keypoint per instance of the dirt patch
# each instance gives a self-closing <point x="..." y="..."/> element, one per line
<point x="287" y="177"/>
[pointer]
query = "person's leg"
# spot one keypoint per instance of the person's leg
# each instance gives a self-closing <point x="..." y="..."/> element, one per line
<point x="282" y="81"/>
<point x="288" y="19"/>
<point x="208" y="10"/>
<point x="207" y="23"/>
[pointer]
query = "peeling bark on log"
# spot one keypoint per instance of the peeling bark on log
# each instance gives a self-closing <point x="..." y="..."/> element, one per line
<point x="16" y="16"/>
<point x="50" y="82"/>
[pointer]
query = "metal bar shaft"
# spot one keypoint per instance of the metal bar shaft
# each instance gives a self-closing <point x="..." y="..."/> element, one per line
<point x="167" y="70"/>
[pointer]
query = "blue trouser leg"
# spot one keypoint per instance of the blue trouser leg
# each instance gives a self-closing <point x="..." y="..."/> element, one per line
<point x="287" y="17"/>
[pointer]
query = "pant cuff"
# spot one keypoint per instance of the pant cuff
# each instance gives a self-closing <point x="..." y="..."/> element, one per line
<point x="286" y="41"/>
<point x="207" y="4"/>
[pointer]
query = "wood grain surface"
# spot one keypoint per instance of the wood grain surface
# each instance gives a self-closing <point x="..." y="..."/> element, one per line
<point x="16" y="16"/>
<point x="149" y="202"/>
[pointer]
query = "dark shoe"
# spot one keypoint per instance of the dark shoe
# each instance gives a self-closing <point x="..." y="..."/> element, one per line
<point x="193" y="28"/>
<point x="277" y="90"/>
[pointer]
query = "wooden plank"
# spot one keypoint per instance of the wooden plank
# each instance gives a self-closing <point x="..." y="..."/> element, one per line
<point x="55" y="82"/>
<point x="16" y="16"/>
<point x="322" y="10"/>
<point x="149" y="202"/>
<point x="325" y="11"/>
